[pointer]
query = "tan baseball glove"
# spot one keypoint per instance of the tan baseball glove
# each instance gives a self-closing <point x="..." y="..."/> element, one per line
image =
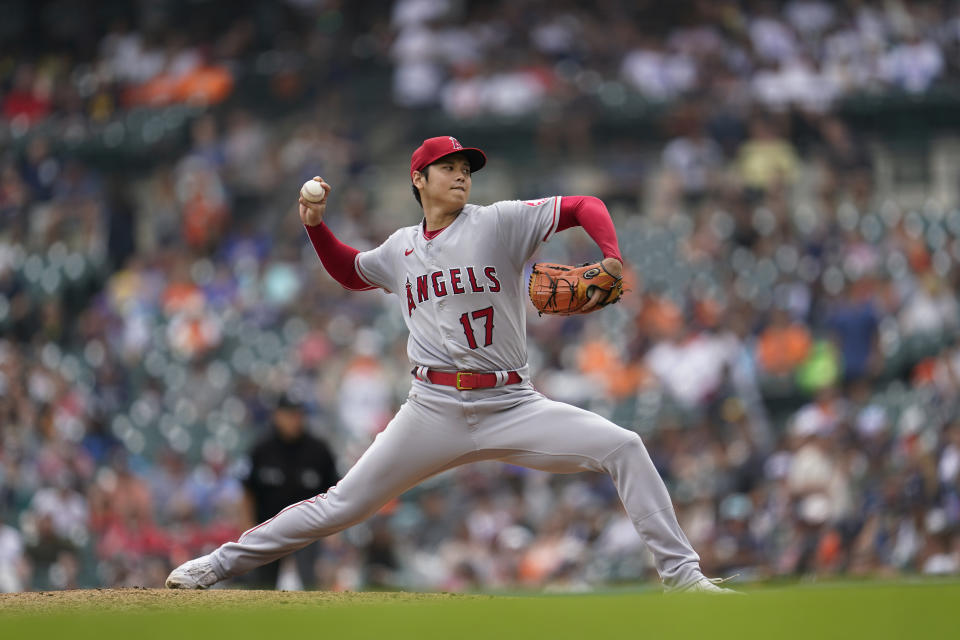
<point x="564" y="290"/>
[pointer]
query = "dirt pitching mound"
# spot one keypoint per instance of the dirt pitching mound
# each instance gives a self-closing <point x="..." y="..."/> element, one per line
<point x="137" y="599"/>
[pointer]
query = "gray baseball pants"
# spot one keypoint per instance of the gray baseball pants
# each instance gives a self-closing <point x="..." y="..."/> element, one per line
<point x="439" y="428"/>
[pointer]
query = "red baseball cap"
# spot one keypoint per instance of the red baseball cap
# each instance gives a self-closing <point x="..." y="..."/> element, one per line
<point x="433" y="149"/>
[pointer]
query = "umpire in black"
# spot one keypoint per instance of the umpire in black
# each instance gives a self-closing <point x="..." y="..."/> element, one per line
<point x="287" y="466"/>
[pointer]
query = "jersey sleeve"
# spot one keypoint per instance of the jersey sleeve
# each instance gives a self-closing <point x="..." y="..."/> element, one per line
<point x="524" y="224"/>
<point x="378" y="267"/>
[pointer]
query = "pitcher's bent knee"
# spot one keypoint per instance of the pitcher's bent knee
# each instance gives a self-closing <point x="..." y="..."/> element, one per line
<point x="627" y="441"/>
<point x="632" y="447"/>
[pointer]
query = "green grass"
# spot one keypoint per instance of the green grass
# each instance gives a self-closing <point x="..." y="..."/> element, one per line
<point x="863" y="610"/>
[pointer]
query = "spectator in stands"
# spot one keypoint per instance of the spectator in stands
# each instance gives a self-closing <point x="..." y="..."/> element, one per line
<point x="656" y="72"/>
<point x="766" y="160"/>
<point x="912" y="65"/>
<point x="28" y="101"/>
<point x="691" y="366"/>
<point x="854" y="320"/>
<point x="65" y="508"/>
<point x="848" y="163"/>
<point x="14" y="570"/>
<point x="783" y="344"/>
<point x="693" y="161"/>
<point x="931" y="309"/>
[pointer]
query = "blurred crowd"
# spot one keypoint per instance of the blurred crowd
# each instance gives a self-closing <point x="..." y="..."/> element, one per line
<point x="75" y="70"/>
<point x="788" y="347"/>
<point x="553" y="60"/>
<point x="518" y="58"/>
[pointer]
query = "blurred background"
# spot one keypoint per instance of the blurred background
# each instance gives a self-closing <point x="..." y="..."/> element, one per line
<point x="784" y="177"/>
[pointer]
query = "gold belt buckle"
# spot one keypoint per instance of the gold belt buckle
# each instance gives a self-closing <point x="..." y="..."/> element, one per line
<point x="460" y="386"/>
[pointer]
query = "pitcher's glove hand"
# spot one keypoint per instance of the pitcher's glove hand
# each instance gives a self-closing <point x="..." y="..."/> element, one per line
<point x="566" y="290"/>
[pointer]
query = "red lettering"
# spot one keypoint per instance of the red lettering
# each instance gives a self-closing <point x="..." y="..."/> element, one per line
<point x="439" y="286"/>
<point x="472" y="277"/>
<point x="491" y="273"/>
<point x="423" y="293"/>
<point x="455" y="281"/>
<point x="410" y="305"/>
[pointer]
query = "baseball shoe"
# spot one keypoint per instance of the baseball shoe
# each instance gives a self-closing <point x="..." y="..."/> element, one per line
<point x="193" y="574"/>
<point x="707" y="585"/>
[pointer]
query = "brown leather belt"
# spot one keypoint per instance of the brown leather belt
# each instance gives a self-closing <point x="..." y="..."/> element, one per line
<point x="466" y="380"/>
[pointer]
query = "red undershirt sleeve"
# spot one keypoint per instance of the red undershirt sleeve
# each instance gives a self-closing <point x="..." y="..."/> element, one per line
<point x="337" y="257"/>
<point x="591" y="214"/>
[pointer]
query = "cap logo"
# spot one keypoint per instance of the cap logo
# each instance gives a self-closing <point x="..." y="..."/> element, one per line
<point x="456" y="143"/>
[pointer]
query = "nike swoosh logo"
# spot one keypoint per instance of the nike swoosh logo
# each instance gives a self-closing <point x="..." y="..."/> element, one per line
<point x="408" y="252"/>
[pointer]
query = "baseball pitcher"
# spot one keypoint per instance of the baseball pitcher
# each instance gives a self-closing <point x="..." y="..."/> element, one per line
<point x="457" y="280"/>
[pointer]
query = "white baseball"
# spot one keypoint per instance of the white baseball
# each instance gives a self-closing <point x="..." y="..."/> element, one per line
<point x="312" y="191"/>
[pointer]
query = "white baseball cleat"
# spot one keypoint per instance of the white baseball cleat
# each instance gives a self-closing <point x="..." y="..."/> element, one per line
<point x="707" y="585"/>
<point x="193" y="574"/>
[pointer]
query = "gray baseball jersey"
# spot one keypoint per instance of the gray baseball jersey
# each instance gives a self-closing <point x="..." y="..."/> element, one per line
<point x="460" y="292"/>
<point x="462" y="296"/>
